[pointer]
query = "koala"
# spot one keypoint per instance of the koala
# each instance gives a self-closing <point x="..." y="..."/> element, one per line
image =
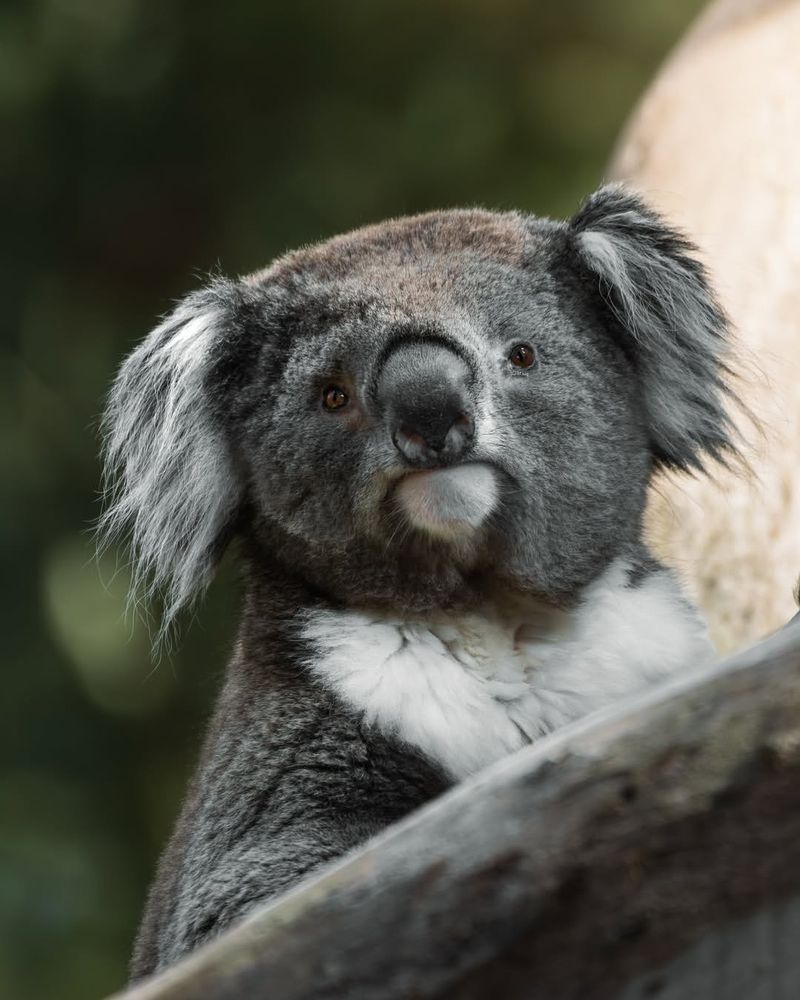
<point x="431" y="441"/>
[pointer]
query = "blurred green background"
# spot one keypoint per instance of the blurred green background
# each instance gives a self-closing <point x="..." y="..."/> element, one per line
<point x="144" y="144"/>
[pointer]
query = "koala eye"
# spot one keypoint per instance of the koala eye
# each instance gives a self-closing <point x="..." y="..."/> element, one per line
<point x="334" y="397"/>
<point x="522" y="356"/>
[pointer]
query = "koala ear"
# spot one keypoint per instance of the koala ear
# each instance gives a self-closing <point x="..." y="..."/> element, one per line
<point x="674" y="327"/>
<point x="171" y="486"/>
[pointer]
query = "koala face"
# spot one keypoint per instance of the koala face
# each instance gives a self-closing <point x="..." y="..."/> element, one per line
<point x="437" y="412"/>
<point x="412" y="412"/>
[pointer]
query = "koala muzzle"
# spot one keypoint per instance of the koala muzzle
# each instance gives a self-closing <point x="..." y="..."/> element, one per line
<point x="424" y="391"/>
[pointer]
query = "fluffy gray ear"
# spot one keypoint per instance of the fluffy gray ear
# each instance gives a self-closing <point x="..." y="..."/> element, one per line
<point x="171" y="486"/>
<point x="674" y="328"/>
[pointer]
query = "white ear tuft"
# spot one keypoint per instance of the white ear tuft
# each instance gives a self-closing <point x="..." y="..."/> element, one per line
<point x="673" y="326"/>
<point x="171" y="488"/>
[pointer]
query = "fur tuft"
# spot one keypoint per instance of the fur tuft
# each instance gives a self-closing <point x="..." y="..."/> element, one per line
<point x="170" y="487"/>
<point x="660" y="294"/>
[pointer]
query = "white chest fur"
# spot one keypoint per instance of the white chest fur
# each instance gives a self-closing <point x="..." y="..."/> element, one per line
<point x="466" y="690"/>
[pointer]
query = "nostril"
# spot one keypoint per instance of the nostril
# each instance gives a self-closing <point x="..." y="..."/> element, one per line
<point x="409" y="436"/>
<point x="415" y="446"/>
<point x="459" y="436"/>
<point x="465" y="423"/>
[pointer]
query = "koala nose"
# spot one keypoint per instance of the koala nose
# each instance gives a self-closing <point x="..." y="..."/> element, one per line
<point x="424" y="389"/>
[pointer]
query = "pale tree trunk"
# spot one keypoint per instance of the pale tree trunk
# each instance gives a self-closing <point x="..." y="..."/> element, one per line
<point x="715" y="145"/>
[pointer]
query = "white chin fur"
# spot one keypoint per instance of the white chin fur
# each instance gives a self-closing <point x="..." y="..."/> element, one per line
<point x="449" y="501"/>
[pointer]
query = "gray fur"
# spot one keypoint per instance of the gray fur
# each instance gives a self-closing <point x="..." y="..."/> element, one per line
<point x="216" y="429"/>
<point x="172" y="486"/>
<point x="661" y="296"/>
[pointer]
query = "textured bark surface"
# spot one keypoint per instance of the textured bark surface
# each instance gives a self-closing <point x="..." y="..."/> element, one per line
<point x="715" y="145"/>
<point x="596" y="864"/>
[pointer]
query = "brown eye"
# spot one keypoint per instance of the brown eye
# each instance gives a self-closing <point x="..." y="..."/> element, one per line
<point x="522" y="356"/>
<point x="334" y="397"/>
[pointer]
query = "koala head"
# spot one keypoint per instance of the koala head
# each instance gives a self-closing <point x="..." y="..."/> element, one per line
<point x="407" y="413"/>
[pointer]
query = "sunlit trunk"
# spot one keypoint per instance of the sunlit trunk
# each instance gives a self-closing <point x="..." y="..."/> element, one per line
<point x="715" y="144"/>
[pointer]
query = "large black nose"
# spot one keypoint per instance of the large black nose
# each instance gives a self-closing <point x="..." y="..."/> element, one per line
<point x="424" y="389"/>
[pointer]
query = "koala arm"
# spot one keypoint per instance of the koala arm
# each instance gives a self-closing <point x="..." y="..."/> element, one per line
<point x="287" y="783"/>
